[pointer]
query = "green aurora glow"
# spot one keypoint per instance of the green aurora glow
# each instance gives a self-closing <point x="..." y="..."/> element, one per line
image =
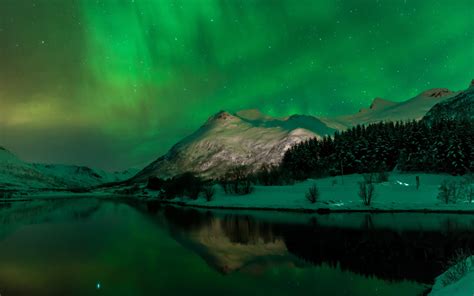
<point x="115" y="83"/>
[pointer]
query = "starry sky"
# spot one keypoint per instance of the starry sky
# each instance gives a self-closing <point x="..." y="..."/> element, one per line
<point x="115" y="83"/>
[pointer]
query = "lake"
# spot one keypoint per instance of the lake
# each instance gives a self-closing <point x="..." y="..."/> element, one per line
<point x="101" y="247"/>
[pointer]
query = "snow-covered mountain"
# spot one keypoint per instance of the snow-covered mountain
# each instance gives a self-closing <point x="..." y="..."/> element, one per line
<point x="83" y="176"/>
<point x="460" y="106"/>
<point x="16" y="174"/>
<point x="226" y="140"/>
<point x="251" y="138"/>
<point x="384" y="110"/>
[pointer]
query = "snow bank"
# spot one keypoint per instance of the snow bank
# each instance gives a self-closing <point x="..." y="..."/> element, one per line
<point x="463" y="287"/>
<point x="336" y="193"/>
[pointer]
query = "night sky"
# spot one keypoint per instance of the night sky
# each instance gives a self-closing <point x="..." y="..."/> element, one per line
<point x="114" y="84"/>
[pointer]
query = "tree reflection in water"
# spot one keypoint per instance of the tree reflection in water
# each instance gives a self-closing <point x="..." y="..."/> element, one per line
<point x="231" y="241"/>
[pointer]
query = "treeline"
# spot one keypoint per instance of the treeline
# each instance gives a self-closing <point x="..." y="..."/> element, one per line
<point x="186" y="184"/>
<point x="442" y="147"/>
<point x="235" y="182"/>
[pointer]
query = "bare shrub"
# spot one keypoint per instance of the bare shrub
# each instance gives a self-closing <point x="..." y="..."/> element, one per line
<point x="244" y="187"/>
<point x="366" y="192"/>
<point x="470" y="193"/>
<point x="209" y="192"/>
<point x="270" y="175"/>
<point x="313" y="194"/>
<point x="225" y="184"/>
<point x="468" y="187"/>
<point x="237" y="181"/>
<point x="187" y="184"/>
<point x="449" y="192"/>
<point x="369" y="178"/>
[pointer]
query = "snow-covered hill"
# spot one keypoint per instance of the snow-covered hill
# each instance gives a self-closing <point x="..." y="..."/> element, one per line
<point x="16" y="174"/>
<point x="460" y="106"/>
<point x="226" y="140"/>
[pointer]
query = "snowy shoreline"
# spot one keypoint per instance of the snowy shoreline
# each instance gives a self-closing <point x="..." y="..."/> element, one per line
<point x="321" y="210"/>
<point x="397" y="195"/>
<point x="463" y="286"/>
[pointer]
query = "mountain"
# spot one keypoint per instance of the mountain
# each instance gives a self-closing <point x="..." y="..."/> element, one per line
<point x="384" y="110"/>
<point x="254" y="139"/>
<point x="226" y="140"/>
<point x="461" y="106"/>
<point x="82" y="176"/>
<point x="16" y="174"/>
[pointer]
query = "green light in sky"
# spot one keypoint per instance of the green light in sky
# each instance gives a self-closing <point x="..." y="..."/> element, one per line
<point x="142" y="74"/>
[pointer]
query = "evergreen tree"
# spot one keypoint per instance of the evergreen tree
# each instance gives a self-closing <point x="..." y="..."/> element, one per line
<point x="443" y="146"/>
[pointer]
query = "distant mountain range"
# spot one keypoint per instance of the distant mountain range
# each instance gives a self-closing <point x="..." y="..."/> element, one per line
<point x="253" y="139"/>
<point x="16" y="174"/>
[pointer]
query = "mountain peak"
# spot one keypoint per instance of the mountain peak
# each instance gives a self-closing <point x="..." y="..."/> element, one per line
<point x="221" y="116"/>
<point x="437" y="93"/>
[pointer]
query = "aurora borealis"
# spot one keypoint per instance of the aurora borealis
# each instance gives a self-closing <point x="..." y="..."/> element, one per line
<point x="114" y="83"/>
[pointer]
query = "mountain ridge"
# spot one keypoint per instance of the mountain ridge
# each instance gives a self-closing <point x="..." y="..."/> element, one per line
<point x="249" y="137"/>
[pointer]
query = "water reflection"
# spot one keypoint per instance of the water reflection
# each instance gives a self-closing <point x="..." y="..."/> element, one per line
<point x="69" y="247"/>
<point x="414" y="247"/>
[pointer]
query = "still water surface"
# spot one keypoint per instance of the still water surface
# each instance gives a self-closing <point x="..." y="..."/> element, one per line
<point x="97" y="247"/>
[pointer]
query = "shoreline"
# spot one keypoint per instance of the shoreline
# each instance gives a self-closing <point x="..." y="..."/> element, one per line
<point x="321" y="211"/>
<point x="398" y="195"/>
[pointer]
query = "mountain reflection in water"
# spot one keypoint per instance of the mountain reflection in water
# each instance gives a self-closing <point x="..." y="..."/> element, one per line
<point x="415" y="251"/>
<point x="68" y="247"/>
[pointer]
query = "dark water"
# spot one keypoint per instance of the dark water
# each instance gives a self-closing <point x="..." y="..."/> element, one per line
<point x="93" y="247"/>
